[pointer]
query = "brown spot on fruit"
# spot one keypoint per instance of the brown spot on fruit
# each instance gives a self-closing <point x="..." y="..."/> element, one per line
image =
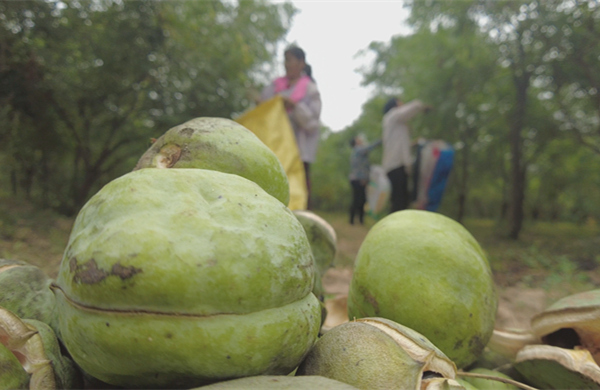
<point x="89" y="273"/>
<point x="124" y="272"/>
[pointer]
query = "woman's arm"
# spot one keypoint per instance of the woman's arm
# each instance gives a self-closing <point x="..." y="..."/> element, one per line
<point x="307" y="112"/>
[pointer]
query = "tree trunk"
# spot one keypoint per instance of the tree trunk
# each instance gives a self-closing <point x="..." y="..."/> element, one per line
<point x="517" y="196"/>
<point x="462" y="191"/>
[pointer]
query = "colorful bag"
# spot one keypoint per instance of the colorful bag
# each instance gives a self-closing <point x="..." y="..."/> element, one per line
<point x="433" y="164"/>
<point x="270" y="122"/>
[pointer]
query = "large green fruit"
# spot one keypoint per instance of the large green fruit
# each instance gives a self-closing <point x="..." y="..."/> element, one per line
<point x="183" y="277"/>
<point x="223" y="145"/>
<point x="426" y="271"/>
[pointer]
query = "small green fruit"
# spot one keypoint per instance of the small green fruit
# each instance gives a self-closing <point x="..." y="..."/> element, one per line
<point x="184" y="277"/>
<point x="426" y="271"/>
<point x="322" y="239"/>
<point x="26" y="292"/>
<point x="375" y="353"/>
<point x="223" y="145"/>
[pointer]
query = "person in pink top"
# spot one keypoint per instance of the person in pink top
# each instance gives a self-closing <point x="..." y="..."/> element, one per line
<point x="302" y="102"/>
<point x="397" y="159"/>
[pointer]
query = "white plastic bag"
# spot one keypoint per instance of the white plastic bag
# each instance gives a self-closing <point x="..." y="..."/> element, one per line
<point x="378" y="192"/>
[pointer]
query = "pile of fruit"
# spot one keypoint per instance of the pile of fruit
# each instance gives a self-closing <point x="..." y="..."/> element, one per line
<point x="191" y="271"/>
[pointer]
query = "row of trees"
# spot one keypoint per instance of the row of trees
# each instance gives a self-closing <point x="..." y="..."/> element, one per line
<point x="85" y="85"/>
<point x="515" y="86"/>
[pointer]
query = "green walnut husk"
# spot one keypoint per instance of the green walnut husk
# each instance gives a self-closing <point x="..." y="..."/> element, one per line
<point x="34" y="347"/>
<point x="376" y="353"/>
<point x="183" y="277"/>
<point x="219" y="144"/>
<point x="26" y="292"/>
<point x="272" y="382"/>
<point x="548" y="367"/>
<point x="425" y="271"/>
<point x="322" y="238"/>
<point x="323" y="243"/>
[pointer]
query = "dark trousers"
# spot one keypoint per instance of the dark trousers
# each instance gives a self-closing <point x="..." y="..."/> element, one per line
<point x="307" y="175"/>
<point x="359" y="198"/>
<point x="399" y="196"/>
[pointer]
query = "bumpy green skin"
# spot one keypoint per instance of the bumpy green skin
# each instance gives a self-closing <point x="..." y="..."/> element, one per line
<point x="181" y="277"/>
<point x="426" y="271"/>
<point x="12" y="374"/>
<point x="223" y="145"/>
<point x="26" y="292"/>
<point x="66" y="374"/>
<point x="272" y="382"/>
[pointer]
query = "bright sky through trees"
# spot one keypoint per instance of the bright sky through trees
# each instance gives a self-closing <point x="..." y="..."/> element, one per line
<point x="333" y="33"/>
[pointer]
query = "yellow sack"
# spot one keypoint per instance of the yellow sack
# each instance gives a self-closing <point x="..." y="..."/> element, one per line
<point x="270" y="123"/>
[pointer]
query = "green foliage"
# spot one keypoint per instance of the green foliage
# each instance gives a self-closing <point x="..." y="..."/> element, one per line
<point x="86" y="85"/>
<point x="514" y="88"/>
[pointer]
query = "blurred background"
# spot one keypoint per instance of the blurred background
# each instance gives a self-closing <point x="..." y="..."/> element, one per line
<point x="86" y="85"/>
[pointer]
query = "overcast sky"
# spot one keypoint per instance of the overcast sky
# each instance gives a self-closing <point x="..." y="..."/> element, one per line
<point x="332" y="33"/>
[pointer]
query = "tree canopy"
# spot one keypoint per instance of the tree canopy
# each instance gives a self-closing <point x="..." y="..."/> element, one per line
<point x="85" y="85"/>
<point x="514" y="86"/>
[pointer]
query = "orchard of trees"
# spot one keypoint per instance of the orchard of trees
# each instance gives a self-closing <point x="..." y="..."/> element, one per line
<point x="515" y="88"/>
<point x="85" y="85"/>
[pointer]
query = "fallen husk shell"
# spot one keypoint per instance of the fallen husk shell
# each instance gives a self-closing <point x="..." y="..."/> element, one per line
<point x="549" y="367"/>
<point x="427" y="272"/>
<point x="509" y="342"/>
<point x="376" y="353"/>
<point x="573" y="321"/>
<point x="219" y="144"/>
<point x="272" y="382"/>
<point x="26" y="292"/>
<point x="185" y="277"/>
<point x="36" y="349"/>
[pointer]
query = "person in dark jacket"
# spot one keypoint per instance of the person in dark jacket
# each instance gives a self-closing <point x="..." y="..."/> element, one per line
<point x="359" y="175"/>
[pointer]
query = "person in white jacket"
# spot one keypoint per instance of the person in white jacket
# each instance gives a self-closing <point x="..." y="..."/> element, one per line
<point x="303" y="104"/>
<point x="397" y="160"/>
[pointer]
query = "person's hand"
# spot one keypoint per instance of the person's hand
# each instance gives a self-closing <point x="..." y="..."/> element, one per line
<point x="254" y="96"/>
<point x="288" y="103"/>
